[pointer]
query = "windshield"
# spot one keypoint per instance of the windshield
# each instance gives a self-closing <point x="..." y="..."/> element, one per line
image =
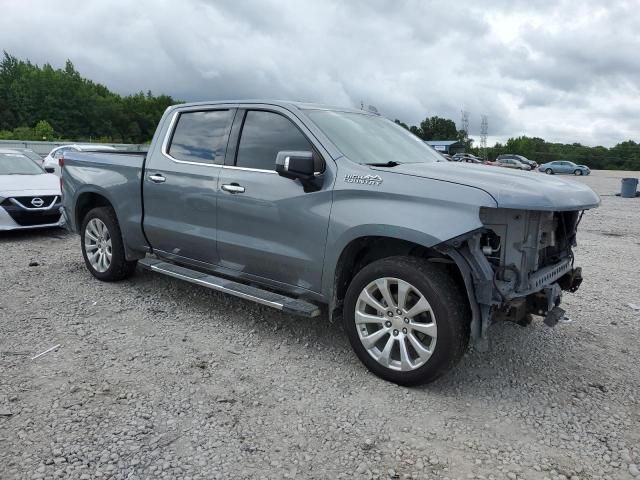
<point x="18" y="164"/>
<point x="32" y="155"/>
<point x="372" y="139"/>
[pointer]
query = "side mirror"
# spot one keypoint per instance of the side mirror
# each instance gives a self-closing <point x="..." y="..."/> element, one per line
<point x="295" y="165"/>
<point x="49" y="169"/>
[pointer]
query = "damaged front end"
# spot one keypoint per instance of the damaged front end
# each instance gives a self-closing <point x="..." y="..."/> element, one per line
<point x="517" y="265"/>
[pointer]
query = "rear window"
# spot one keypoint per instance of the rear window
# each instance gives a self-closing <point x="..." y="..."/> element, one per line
<point x="201" y="137"/>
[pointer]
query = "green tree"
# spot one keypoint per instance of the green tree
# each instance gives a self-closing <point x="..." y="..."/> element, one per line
<point x="43" y="130"/>
<point x="74" y="108"/>
<point x="438" y="128"/>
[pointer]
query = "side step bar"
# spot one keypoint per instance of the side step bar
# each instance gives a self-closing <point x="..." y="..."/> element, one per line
<point x="264" y="297"/>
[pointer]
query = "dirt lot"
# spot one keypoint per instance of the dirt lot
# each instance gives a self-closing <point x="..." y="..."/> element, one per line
<point x="156" y="378"/>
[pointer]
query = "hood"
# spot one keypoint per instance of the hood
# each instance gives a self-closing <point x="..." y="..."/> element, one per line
<point x="517" y="189"/>
<point x="29" y="185"/>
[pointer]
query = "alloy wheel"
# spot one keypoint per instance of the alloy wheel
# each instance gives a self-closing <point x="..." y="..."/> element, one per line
<point x="97" y="245"/>
<point x="396" y="324"/>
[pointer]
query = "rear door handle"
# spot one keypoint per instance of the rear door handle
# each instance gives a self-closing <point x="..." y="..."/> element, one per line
<point x="232" y="188"/>
<point x="157" y="178"/>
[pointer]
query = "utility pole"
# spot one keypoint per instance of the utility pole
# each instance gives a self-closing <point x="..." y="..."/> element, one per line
<point x="484" y="131"/>
<point x="464" y="124"/>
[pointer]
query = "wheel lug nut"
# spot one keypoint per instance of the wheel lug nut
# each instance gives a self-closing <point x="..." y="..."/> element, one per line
<point x="390" y="313"/>
<point x="387" y="324"/>
<point x="399" y="312"/>
<point x="406" y="320"/>
<point x="395" y="333"/>
<point x="404" y="330"/>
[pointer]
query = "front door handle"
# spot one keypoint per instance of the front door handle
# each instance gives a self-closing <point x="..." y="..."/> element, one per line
<point x="157" y="178"/>
<point x="232" y="188"/>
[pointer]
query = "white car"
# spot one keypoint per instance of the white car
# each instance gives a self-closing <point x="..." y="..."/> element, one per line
<point x="51" y="160"/>
<point x="29" y="196"/>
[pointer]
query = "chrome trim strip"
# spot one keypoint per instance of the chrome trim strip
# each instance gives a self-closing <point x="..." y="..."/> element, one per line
<point x="219" y="288"/>
<point x="19" y="204"/>
<point x="165" y="145"/>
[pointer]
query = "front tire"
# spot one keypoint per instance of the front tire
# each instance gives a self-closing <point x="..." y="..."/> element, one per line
<point x="102" y="246"/>
<point x="548" y="171"/>
<point x="406" y="319"/>
<point x="577" y="173"/>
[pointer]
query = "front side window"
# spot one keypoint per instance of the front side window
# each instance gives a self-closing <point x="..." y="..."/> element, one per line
<point x="201" y="137"/>
<point x="264" y="134"/>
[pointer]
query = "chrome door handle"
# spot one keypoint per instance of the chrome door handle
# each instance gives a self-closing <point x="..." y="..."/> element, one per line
<point x="157" y="178"/>
<point x="233" y="188"/>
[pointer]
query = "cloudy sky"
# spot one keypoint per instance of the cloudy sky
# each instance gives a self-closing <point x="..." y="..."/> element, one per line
<point x="564" y="70"/>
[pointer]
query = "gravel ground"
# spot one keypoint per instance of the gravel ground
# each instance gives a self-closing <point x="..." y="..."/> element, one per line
<point x="156" y="378"/>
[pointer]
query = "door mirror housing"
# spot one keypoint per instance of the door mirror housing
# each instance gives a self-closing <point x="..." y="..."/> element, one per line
<point x="295" y="164"/>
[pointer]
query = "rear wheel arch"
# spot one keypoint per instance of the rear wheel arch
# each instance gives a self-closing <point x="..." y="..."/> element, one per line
<point x="86" y="202"/>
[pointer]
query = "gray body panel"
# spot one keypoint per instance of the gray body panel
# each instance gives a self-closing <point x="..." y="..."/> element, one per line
<point x="117" y="178"/>
<point x="510" y="188"/>
<point x="282" y="236"/>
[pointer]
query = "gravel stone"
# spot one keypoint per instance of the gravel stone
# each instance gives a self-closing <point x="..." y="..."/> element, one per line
<point x="157" y="378"/>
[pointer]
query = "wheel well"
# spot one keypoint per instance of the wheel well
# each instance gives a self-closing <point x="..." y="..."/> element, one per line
<point x="88" y="201"/>
<point x="365" y="250"/>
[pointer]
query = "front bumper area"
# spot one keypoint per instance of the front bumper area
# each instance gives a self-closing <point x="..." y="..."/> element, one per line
<point x="15" y="214"/>
<point x="506" y="291"/>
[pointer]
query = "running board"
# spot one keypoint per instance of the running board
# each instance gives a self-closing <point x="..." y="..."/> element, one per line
<point x="264" y="297"/>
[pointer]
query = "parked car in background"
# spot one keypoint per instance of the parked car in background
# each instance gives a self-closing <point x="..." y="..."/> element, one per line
<point x="29" y="197"/>
<point x="512" y="163"/>
<point x="520" y="158"/>
<point x="307" y="206"/>
<point x="51" y="160"/>
<point x="466" y="157"/>
<point x="564" y="166"/>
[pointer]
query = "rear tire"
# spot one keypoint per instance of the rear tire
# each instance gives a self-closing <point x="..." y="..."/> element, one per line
<point x="102" y="246"/>
<point x="407" y="348"/>
<point x="548" y="171"/>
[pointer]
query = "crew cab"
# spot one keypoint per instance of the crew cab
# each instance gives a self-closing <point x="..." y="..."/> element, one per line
<point x="301" y="206"/>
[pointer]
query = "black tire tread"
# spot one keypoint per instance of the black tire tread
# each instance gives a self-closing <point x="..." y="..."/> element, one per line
<point x="120" y="268"/>
<point x="452" y="297"/>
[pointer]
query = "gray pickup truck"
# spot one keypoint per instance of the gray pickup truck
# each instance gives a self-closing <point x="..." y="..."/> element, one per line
<point x="298" y="206"/>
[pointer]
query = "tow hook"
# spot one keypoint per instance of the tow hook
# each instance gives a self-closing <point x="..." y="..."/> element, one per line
<point x="571" y="280"/>
<point x="553" y="316"/>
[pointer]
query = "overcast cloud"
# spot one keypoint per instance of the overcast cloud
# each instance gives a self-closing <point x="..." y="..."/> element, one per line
<point x="565" y="70"/>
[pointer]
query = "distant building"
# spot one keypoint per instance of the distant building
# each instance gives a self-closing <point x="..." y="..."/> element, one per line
<point x="446" y="146"/>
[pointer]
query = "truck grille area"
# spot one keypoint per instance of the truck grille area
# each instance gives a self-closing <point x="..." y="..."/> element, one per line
<point x="528" y="250"/>
<point x="28" y="216"/>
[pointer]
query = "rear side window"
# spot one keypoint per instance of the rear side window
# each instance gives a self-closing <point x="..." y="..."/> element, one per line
<point x="201" y="137"/>
<point x="264" y="134"/>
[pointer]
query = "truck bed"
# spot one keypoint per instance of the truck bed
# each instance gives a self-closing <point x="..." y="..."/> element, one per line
<point x="115" y="175"/>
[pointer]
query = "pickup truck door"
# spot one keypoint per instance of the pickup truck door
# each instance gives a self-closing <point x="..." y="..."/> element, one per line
<point x="180" y="186"/>
<point x="269" y="228"/>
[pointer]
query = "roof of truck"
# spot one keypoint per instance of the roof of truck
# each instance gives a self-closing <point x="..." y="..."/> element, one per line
<point x="278" y="103"/>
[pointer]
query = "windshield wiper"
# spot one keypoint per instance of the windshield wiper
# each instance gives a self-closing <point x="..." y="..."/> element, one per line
<point x="390" y="163"/>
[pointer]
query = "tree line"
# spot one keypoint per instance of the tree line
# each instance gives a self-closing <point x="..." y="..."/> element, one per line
<point x="45" y="103"/>
<point x="624" y="156"/>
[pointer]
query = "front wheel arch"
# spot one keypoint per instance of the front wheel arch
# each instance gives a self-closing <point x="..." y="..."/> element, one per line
<point x="448" y="313"/>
